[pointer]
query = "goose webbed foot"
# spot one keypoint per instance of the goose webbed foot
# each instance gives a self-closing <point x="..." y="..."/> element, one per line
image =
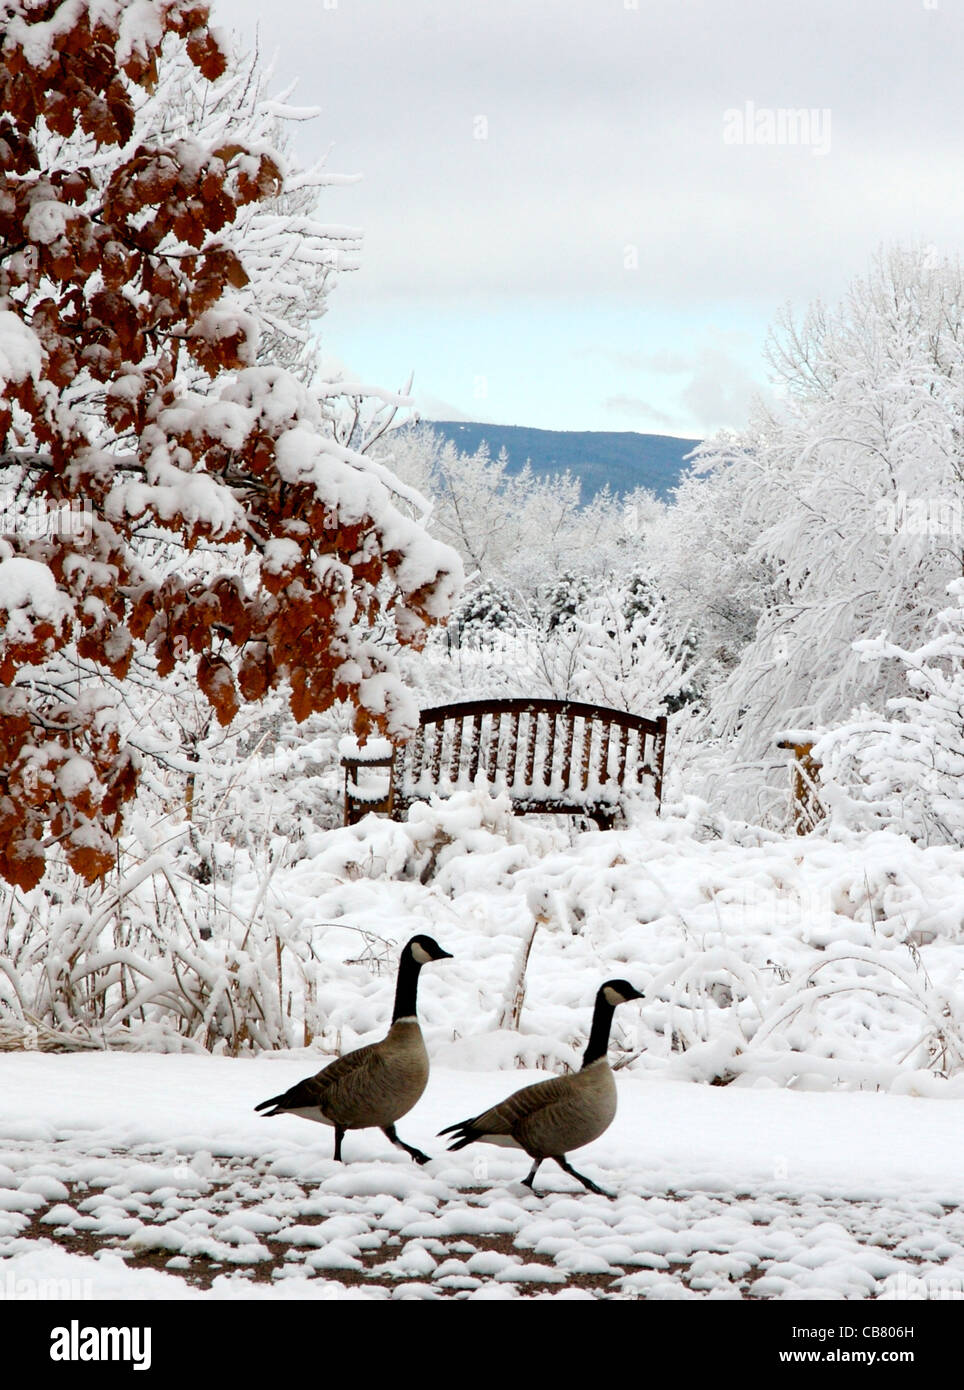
<point x="416" y="1154"/>
<point x="586" y="1182"/>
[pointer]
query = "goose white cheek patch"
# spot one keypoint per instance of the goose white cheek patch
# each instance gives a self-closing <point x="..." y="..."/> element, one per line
<point x="420" y="954"/>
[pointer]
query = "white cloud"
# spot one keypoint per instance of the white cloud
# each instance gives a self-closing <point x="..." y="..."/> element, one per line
<point x="646" y="414"/>
<point x="604" y="131"/>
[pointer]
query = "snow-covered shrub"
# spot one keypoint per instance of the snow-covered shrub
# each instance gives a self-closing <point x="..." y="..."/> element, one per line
<point x="826" y="961"/>
<point x="905" y="770"/>
<point x="485" y="609"/>
<point x="601" y="644"/>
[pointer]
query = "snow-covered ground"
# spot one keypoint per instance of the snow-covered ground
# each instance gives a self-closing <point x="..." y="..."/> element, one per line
<point x="791" y="1085"/>
<point x="159" y="1169"/>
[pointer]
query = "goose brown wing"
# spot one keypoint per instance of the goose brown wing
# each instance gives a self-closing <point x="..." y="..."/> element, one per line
<point x="342" y="1080"/>
<point x="522" y="1106"/>
<point x="512" y="1116"/>
<point x="583" y="1109"/>
<point x="375" y="1085"/>
<point x="548" y="1118"/>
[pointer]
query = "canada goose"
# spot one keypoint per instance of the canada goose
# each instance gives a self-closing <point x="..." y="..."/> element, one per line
<point x="563" y="1113"/>
<point x="378" y="1084"/>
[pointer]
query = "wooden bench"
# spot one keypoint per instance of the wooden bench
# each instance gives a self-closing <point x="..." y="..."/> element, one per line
<point x="553" y="757"/>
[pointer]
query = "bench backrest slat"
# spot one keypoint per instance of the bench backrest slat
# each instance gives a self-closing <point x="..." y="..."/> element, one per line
<point x="567" y="752"/>
<point x="586" y="751"/>
<point x="623" y="747"/>
<point x="418" y="753"/>
<point x="456" y="756"/>
<point x="605" y="731"/>
<point x="475" y="739"/>
<point x="610" y="747"/>
<point x="550" y="749"/>
<point x="531" y="746"/>
<point x="437" y="752"/>
<point x="493" y="758"/>
<point x="510" y="754"/>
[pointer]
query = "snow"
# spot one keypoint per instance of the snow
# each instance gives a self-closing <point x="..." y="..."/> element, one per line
<point x="273" y="395"/>
<point x="720" y="1191"/>
<point x="139" y="29"/>
<point x="74" y="775"/>
<point x="28" y="592"/>
<point x="383" y="694"/>
<point x="229" y="321"/>
<point x="45" y="221"/>
<point x="296" y="453"/>
<point x="349" y="747"/>
<point x="20" y="352"/>
<point x="280" y="555"/>
<point x="824" y="1164"/>
<point x="174" y="493"/>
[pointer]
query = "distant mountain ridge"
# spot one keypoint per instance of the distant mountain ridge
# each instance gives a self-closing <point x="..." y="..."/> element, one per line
<point x="623" y="459"/>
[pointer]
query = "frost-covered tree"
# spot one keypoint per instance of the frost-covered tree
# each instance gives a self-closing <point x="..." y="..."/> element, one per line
<point x="598" y="644"/>
<point x="808" y="524"/>
<point x="291" y="255"/>
<point x="133" y="400"/>
<point x="702" y="554"/>
<point x="612" y="648"/>
<point x="562" y="598"/>
<point x="485" y="609"/>
<point x="510" y="528"/>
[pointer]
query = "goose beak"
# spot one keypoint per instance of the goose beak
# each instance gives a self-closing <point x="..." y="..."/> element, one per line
<point x="444" y="955"/>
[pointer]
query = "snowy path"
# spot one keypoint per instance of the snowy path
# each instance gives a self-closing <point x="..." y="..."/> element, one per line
<point x="150" y="1177"/>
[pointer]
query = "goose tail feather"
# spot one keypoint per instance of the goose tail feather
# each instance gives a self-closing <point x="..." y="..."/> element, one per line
<point x="463" y="1132"/>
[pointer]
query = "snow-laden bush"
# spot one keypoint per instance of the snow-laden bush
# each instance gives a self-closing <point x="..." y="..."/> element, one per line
<point x="905" y="769"/>
<point x="817" y="962"/>
<point x="575" y="640"/>
<point x="186" y="942"/>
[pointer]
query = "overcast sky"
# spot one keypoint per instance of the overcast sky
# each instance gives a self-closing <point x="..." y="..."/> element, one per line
<point x="584" y="214"/>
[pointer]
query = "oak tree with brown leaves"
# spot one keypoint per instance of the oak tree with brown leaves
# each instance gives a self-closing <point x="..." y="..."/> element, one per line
<point x="294" y="543"/>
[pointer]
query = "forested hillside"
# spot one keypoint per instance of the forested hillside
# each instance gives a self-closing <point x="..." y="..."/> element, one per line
<point x="621" y="460"/>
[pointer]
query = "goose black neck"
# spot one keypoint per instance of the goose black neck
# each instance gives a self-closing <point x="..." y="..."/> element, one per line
<point x="602" y="1021"/>
<point x="407" y="987"/>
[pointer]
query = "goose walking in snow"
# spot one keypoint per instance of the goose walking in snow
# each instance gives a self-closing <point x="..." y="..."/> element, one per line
<point x="552" y="1117"/>
<point x="376" y="1085"/>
